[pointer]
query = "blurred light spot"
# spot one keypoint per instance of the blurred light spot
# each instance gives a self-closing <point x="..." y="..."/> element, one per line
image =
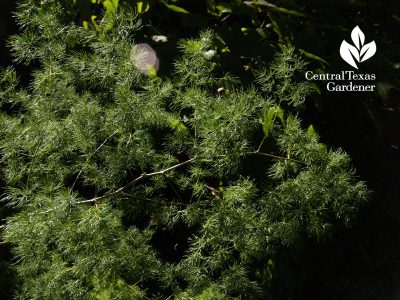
<point x="145" y="59"/>
<point x="159" y="38"/>
<point x="209" y="54"/>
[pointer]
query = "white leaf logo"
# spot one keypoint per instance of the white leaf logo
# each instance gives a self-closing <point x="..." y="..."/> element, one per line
<point x="359" y="52"/>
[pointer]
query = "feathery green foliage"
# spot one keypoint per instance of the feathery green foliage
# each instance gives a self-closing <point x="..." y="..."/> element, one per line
<point x="101" y="160"/>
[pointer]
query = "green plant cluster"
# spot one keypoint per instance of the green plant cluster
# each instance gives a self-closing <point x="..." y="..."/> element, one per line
<point x="101" y="161"/>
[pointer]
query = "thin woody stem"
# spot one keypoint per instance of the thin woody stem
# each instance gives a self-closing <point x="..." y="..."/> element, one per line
<point x="131" y="183"/>
<point x="262" y="142"/>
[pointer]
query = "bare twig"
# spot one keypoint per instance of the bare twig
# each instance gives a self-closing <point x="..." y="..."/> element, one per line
<point x="262" y="142"/>
<point x="214" y="191"/>
<point x="133" y="182"/>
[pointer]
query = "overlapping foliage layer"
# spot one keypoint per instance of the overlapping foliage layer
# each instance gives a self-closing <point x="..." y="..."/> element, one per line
<point x="131" y="186"/>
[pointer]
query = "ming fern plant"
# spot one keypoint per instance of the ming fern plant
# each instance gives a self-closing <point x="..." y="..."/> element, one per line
<point x="127" y="185"/>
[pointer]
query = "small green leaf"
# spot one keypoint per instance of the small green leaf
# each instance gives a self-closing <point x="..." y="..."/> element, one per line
<point x="93" y="19"/>
<point x="152" y="72"/>
<point x="313" y="56"/>
<point x="111" y="6"/>
<point x="273" y="7"/>
<point x="269" y="118"/>
<point x="224" y="8"/>
<point x="267" y="122"/>
<point x="142" y="7"/>
<point x="178" y="125"/>
<point x="311" y="131"/>
<point x="280" y="114"/>
<point x="176" y="8"/>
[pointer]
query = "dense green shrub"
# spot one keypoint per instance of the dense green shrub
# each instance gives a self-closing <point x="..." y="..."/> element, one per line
<point x="131" y="186"/>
